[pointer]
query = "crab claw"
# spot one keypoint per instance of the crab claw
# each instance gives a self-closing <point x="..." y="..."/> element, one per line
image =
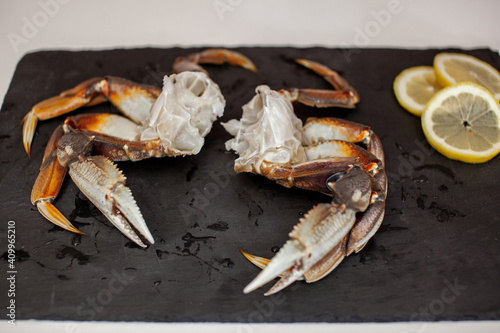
<point x="104" y="185"/>
<point x="101" y="181"/>
<point x="319" y="231"/>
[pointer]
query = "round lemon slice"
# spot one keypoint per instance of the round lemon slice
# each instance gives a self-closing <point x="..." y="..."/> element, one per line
<point x="414" y="87"/>
<point x="462" y="122"/>
<point x="452" y="68"/>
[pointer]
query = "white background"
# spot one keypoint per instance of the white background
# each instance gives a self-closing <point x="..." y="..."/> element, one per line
<point x="27" y="26"/>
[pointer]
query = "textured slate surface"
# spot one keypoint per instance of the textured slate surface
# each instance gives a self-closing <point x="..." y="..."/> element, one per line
<point x="436" y="256"/>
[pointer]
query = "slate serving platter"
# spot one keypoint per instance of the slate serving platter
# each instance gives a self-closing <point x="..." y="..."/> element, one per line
<point x="435" y="257"/>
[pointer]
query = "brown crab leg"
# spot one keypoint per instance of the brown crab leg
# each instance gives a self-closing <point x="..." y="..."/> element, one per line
<point x="318" y="271"/>
<point x="103" y="184"/>
<point x="344" y="94"/>
<point x="49" y="183"/>
<point x="133" y="99"/>
<point x="312" y="235"/>
<point x="114" y="137"/>
<point x="343" y="149"/>
<point x="360" y="188"/>
<point x="316" y="235"/>
<point x="321" y="129"/>
<point x="308" y="175"/>
<point x="212" y="56"/>
<point x="366" y="226"/>
<point x="96" y="176"/>
<point x="324" y="129"/>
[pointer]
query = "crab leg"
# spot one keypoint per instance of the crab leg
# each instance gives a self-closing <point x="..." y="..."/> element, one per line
<point x="133" y="99"/>
<point x="318" y="243"/>
<point x="318" y="271"/>
<point x="308" y="175"/>
<point x="114" y="137"/>
<point x="320" y="129"/>
<point x="344" y="96"/>
<point x="96" y="176"/>
<point x="212" y="56"/>
<point x="309" y="242"/>
<point x="104" y="184"/>
<point x="360" y="187"/>
<point x="324" y="129"/>
<point x="48" y="184"/>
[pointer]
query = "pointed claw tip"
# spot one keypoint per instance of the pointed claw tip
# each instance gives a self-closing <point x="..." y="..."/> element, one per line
<point x="303" y="62"/>
<point x="51" y="213"/>
<point x="150" y="239"/>
<point x="28" y="150"/>
<point x="245" y="254"/>
<point x="270" y="292"/>
<point x="29" y="125"/>
<point x="251" y="67"/>
<point x="255" y="284"/>
<point x="27" y="146"/>
<point x="239" y="59"/>
<point x="248" y="289"/>
<point x="75" y="230"/>
<point x="257" y="261"/>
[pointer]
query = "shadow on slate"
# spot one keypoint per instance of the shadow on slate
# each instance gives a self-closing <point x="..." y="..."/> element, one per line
<point x="436" y="256"/>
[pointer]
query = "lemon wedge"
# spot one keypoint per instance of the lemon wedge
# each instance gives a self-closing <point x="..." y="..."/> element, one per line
<point x="462" y="122"/>
<point x="414" y="87"/>
<point x="451" y="68"/>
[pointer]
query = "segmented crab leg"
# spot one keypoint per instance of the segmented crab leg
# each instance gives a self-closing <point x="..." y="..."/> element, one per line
<point x="133" y="99"/>
<point x="114" y="137"/>
<point x="317" y="245"/>
<point x="318" y="271"/>
<point x="324" y="224"/>
<point x="321" y="129"/>
<point x="360" y="188"/>
<point x="324" y="129"/>
<point x="96" y="176"/>
<point x="344" y="96"/>
<point x="103" y="184"/>
<point x="212" y="56"/>
<point x="48" y="184"/>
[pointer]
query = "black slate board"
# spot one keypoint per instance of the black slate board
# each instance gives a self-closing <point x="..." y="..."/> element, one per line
<point x="436" y="256"/>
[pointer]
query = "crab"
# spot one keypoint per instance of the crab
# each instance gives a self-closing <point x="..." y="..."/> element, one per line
<point x="336" y="157"/>
<point x="158" y="123"/>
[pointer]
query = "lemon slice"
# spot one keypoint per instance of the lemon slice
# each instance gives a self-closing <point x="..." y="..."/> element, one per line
<point x="414" y="87"/>
<point x="452" y="68"/>
<point x="462" y="122"/>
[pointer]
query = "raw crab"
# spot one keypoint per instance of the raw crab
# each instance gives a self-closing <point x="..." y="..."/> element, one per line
<point x="324" y="155"/>
<point x="168" y="122"/>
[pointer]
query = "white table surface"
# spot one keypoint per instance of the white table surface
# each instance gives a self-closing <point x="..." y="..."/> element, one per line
<point x="27" y="26"/>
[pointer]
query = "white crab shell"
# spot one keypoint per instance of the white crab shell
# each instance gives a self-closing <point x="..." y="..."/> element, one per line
<point x="268" y="131"/>
<point x="184" y="112"/>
